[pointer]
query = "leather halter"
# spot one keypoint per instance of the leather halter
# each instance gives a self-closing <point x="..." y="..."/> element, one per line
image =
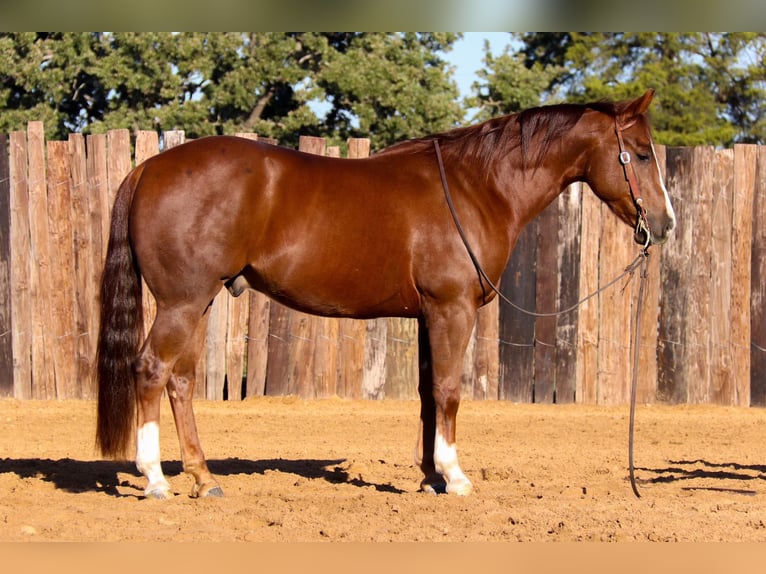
<point x="642" y="222"/>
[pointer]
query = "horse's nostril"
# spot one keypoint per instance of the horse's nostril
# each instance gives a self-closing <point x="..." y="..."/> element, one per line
<point x="669" y="226"/>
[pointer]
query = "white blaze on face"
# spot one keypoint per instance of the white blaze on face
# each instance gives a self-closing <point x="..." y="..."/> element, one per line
<point x="148" y="456"/>
<point x="668" y="206"/>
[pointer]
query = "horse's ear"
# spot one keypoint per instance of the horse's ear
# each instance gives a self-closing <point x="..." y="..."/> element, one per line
<point x="639" y="105"/>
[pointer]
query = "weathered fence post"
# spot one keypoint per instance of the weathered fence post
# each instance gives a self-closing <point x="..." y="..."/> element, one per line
<point x="6" y="320"/>
<point x="758" y="286"/>
<point x="744" y="193"/>
<point x="21" y="296"/>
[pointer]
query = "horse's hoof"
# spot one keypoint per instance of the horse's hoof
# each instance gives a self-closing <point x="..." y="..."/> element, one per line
<point x="460" y="487"/>
<point x="207" y="491"/>
<point x="215" y="492"/>
<point x="433" y="487"/>
<point x="158" y="494"/>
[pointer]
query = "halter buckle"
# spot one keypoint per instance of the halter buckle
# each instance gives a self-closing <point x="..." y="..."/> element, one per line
<point x="624" y="157"/>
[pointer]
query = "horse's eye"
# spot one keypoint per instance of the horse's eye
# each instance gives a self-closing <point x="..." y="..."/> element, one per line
<point x="643" y="157"/>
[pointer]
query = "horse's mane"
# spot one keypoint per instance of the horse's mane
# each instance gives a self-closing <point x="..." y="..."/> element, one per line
<point x="533" y="130"/>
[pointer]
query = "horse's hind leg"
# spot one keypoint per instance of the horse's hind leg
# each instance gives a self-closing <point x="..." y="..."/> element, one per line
<point x="181" y="392"/>
<point x="166" y="343"/>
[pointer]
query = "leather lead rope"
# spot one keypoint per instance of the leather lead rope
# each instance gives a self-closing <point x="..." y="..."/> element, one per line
<point x="634" y="383"/>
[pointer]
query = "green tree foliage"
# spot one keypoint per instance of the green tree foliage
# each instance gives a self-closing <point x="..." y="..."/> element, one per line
<point x="393" y="86"/>
<point x="710" y="87"/>
<point x="387" y="86"/>
<point x="507" y="85"/>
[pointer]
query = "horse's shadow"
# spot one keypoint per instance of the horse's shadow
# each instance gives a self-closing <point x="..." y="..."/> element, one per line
<point x="78" y="476"/>
<point x="718" y="476"/>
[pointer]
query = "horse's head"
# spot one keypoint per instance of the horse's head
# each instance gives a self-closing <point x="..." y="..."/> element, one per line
<point x="625" y="173"/>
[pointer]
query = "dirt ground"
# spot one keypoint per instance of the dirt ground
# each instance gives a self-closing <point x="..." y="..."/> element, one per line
<point x="340" y="470"/>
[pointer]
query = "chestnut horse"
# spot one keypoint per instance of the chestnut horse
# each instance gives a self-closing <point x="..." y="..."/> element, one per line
<point x="356" y="238"/>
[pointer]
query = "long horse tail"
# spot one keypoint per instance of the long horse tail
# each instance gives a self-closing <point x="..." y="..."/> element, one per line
<point x="120" y="332"/>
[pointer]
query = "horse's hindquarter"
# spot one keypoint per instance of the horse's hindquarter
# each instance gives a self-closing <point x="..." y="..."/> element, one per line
<point x="328" y="236"/>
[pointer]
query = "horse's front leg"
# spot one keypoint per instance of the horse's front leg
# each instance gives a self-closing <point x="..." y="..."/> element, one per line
<point x="442" y="348"/>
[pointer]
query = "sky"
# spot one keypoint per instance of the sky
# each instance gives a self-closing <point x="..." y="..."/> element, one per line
<point x="467" y="55"/>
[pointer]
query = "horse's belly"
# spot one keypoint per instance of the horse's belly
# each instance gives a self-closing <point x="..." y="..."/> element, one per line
<point x="335" y="293"/>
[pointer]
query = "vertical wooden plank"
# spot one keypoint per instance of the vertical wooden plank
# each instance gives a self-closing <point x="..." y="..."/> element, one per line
<point x="41" y="282"/>
<point x="568" y="291"/>
<point x="118" y="161"/>
<point x="721" y="383"/>
<point x="61" y="321"/>
<point x="215" y="364"/>
<point x="84" y="294"/>
<point x="98" y="186"/>
<point x="352" y="334"/>
<point x="172" y="138"/>
<point x="586" y="390"/>
<point x="300" y="354"/>
<point x="675" y="273"/>
<point x="358" y="148"/>
<point x="741" y="275"/>
<point x="6" y="323"/>
<point x="237" y="322"/>
<point x="545" y="302"/>
<point x="21" y="262"/>
<point x="147" y="145"/>
<point x="375" y="352"/>
<point x="100" y="211"/>
<point x="326" y="357"/>
<point x="486" y="362"/>
<point x="517" y="329"/>
<point x="277" y="383"/>
<point x="758" y="286"/>
<point x="257" y="344"/>
<point x="467" y="375"/>
<point x="698" y="314"/>
<point x="402" y="370"/>
<point x="614" y="357"/>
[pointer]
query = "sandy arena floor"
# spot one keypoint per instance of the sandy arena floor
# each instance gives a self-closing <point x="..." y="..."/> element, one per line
<point x="340" y="470"/>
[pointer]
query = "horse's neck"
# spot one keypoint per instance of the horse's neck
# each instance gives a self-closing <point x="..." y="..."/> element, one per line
<point x="531" y="188"/>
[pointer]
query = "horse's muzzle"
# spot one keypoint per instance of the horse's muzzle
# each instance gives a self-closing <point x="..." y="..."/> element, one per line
<point x="646" y="236"/>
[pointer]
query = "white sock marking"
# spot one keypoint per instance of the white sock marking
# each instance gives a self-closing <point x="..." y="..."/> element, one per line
<point x="148" y="456"/>
<point x="445" y="460"/>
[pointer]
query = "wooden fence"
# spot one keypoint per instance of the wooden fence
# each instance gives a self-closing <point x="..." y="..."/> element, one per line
<point x="704" y="329"/>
